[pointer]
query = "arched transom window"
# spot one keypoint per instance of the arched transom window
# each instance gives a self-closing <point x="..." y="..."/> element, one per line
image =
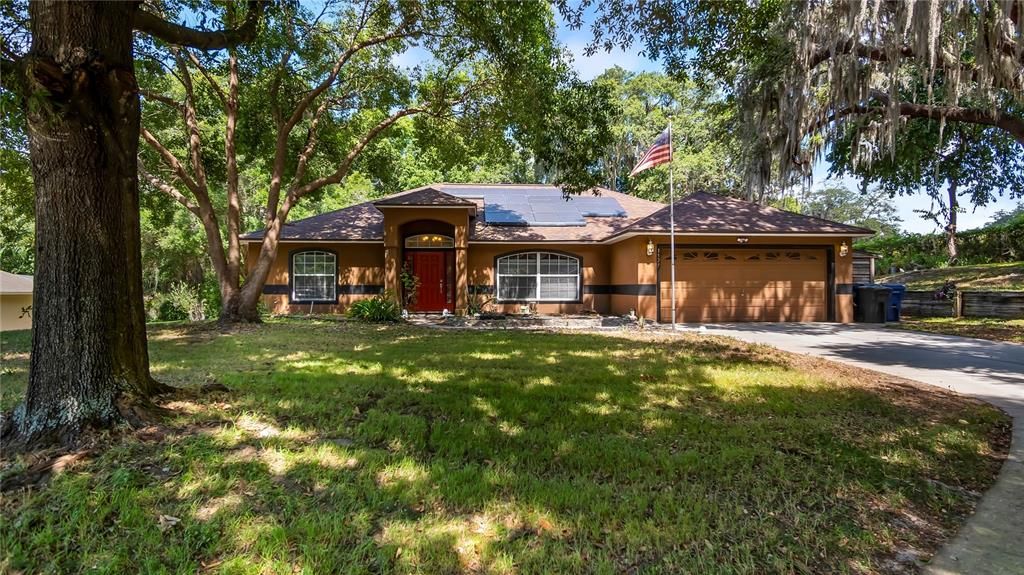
<point x="429" y="241"/>
<point x="538" y="276"/>
<point x="314" y="276"/>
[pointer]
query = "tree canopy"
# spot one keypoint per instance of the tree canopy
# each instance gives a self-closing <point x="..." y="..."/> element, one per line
<point x="704" y="154"/>
<point x="805" y="75"/>
<point x="321" y="96"/>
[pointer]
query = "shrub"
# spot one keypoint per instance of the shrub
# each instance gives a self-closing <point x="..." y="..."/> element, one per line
<point x="182" y="302"/>
<point x="990" y="244"/>
<point x="378" y="309"/>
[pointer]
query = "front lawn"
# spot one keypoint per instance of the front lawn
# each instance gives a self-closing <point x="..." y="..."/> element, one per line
<point x="982" y="277"/>
<point x="995" y="329"/>
<point x="345" y="448"/>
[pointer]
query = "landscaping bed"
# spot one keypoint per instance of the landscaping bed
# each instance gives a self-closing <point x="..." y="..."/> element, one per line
<point x="344" y="447"/>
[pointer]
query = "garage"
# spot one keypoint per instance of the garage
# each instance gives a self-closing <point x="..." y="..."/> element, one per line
<point x="755" y="284"/>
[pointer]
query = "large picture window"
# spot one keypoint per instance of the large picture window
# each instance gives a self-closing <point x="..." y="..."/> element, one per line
<point x="538" y="276"/>
<point x="314" y="276"/>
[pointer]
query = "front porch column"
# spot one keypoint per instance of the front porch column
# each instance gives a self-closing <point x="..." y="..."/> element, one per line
<point x="461" y="267"/>
<point x="392" y="256"/>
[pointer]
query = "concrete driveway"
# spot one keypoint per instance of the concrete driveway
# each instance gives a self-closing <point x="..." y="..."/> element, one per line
<point x="992" y="540"/>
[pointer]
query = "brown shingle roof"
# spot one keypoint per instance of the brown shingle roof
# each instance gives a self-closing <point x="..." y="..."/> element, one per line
<point x="361" y="222"/>
<point x="696" y="213"/>
<point x="427" y="196"/>
<point x="705" y="213"/>
<point x="364" y="222"/>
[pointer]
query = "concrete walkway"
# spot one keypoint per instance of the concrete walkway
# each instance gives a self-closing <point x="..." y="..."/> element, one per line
<point x="992" y="540"/>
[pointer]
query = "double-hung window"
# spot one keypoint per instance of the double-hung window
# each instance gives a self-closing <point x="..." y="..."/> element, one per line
<point x="538" y="276"/>
<point x="314" y="277"/>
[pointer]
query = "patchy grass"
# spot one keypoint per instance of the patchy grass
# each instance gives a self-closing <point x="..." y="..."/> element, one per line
<point x="358" y="449"/>
<point x="995" y="329"/>
<point x="991" y="277"/>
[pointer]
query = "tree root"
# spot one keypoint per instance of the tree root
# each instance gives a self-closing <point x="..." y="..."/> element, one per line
<point x="55" y="450"/>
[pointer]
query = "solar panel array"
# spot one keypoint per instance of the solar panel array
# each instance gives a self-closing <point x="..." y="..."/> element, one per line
<point x="538" y="205"/>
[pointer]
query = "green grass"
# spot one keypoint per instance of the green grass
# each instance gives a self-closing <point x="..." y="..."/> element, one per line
<point x="983" y="277"/>
<point x="347" y="448"/>
<point x="995" y="329"/>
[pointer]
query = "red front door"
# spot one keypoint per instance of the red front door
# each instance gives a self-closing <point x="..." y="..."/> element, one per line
<point x="433" y="291"/>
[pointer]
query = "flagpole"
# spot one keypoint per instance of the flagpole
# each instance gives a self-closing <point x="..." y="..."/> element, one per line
<point x="672" y="221"/>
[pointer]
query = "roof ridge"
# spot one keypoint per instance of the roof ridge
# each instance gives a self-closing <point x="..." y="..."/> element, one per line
<point x="650" y="218"/>
<point x="785" y="211"/>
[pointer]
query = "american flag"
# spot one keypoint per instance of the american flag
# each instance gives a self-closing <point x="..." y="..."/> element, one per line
<point x="659" y="153"/>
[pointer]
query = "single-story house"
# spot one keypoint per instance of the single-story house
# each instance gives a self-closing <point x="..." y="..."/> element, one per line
<point x="527" y="245"/>
<point x="15" y="301"/>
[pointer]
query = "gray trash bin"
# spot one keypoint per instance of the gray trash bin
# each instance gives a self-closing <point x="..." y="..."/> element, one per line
<point x="871" y="303"/>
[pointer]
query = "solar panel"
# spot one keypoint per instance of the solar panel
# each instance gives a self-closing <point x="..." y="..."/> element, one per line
<point x="537" y="205"/>
<point x="599" y="207"/>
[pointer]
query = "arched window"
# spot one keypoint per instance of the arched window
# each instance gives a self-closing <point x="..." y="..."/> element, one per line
<point x="429" y="241"/>
<point x="314" y="277"/>
<point x="538" y="276"/>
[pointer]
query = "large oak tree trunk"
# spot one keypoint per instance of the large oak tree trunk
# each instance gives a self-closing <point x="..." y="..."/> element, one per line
<point x="89" y="358"/>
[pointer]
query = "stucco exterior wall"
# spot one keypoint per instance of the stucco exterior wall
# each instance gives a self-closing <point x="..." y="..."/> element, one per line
<point x="595" y="271"/>
<point x="10" y="312"/>
<point x="634" y="277"/>
<point x="360" y="275"/>
<point x="617" y="278"/>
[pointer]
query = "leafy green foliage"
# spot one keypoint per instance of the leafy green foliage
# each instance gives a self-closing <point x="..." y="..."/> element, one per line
<point x="180" y="302"/>
<point x="992" y="243"/>
<point x="379" y="309"/>
<point x="980" y="163"/>
<point x="702" y="143"/>
<point x="17" y="196"/>
<point x="872" y="209"/>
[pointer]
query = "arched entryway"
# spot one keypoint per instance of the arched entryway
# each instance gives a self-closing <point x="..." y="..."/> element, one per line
<point x="427" y="276"/>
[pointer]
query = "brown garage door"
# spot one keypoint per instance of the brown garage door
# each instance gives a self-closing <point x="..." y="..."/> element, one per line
<point x="745" y="285"/>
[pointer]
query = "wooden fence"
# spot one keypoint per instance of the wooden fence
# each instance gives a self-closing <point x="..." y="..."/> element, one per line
<point x="1002" y="304"/>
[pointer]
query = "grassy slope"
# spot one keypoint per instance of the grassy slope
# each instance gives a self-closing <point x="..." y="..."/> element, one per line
<point x="994" y="277"/>
<point x="355" y="449"/>
<point x="982" y="327"/>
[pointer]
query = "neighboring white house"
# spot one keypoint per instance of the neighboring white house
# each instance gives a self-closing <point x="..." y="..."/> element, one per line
<point x="15" y="301"/>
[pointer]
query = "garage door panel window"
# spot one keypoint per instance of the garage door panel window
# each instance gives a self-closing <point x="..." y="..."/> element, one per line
<point x="538" y="276"/>
<point x="314" y="276"/>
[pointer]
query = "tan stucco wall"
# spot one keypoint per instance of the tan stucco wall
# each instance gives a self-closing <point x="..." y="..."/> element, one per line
<point x="623" y="266"/>
<point x="358" y="265"/>
<point x="630" y="264"/>
<point x="10" y="310"/>
<point x="595" y="273"/>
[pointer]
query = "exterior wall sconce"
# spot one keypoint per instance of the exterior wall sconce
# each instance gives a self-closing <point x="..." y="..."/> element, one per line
<point x="650" y="248"/>
<point x="742" y="240"/>
<point x="843" y="250"/>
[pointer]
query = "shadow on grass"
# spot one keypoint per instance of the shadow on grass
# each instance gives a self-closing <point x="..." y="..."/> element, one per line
<point x="406" y="450"/>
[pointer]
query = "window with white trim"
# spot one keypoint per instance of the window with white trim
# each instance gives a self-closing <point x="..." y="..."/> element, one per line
<point x="314" y="276"/>
<point x="538" y="276"/>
